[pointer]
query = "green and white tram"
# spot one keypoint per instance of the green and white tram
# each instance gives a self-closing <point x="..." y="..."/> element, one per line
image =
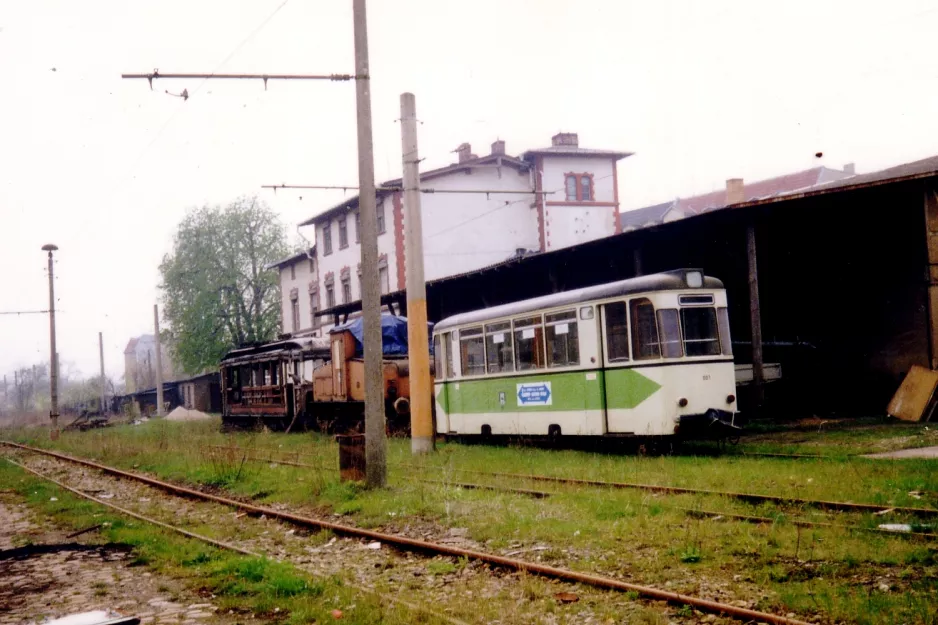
<point x="648" y="356"/>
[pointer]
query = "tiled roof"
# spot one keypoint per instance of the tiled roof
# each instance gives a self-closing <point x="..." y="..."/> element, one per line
<point x="571" y="150"/>
<point x="647" y="216"/>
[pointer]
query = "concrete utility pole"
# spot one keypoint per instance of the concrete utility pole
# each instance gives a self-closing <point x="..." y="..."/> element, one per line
<point x="376" y="444"/>
<point x="103" y="381"/>
<point x="421" y="384"/>
<point x="159" y="361"/>
<point x="53" y="358"/>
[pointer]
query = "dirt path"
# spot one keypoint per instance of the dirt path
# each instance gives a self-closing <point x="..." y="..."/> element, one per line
<point x="44" y="574"/>
<point x="918" y="452"/>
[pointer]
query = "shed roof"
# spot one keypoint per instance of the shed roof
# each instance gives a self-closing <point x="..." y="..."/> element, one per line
<point x="292" y="259"/>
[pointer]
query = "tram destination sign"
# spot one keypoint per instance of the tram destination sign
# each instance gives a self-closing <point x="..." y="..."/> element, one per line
<point x="534" y="394"/>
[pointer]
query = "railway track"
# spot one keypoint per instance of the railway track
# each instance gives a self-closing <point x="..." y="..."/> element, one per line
<point x="541" y="494"/>
<point x="429" y="547"/>
<point x="843" y="506"/>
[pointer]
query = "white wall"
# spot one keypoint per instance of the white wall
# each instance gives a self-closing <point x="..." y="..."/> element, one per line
<point x="351" y="256"/>
<point x="463" y="232"/>
<point x="575" y="223"/>
<point x="301" y="283"/>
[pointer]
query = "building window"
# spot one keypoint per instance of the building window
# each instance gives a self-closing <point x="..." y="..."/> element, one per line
<point x="293" y="272"/>
<point x="385" y="279"/>
<point x="346" y="289"/>
<point x="358" y="227"/>
<point x="343" y="233"/>
<point x="295" y="305"/>
<point x="579" y="187"/>
<point x="327" y="239"/>
<point x="330" y="296"/>
<point x="313" y="308"/>
<point x="361" y="288"/>
<point x="380" y="216"/>
<point x="312" y="268"/>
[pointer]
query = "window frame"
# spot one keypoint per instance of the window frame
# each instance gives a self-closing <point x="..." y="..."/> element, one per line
<point x="540" y="346"/>
<point x="358" y="227"/>
<point x="379" y="218"/>
<point x="295" y="313"/>
<point x="552" y="320"/>
<point x="607" y="352"/>
<point x="505" y="329"/>
<point x="580" y="180"/>
<point x="293" y="271"/>
<point x="636" y="331"/>
<point x="327" y="239"/>
<point x="343" y="232"/>
<point x="476" y="333"/>
<point x="346" y="282"/>
<point x="716" y="334"/>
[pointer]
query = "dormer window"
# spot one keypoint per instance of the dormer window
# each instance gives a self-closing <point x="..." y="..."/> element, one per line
<point x="579" y="187"/>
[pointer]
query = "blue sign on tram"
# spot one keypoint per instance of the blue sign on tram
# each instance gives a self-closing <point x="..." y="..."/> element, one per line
<point x="534" y="394"/>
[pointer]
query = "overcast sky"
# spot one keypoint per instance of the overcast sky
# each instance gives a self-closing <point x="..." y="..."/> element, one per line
<point x="700" y="91"/>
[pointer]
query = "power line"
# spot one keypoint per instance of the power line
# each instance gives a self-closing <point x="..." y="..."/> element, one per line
<point x="23" y="312"/>
<point x="354" y="188"/>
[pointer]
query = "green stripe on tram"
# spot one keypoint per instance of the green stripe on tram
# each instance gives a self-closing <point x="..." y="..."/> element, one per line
<point x="627" y="388"/>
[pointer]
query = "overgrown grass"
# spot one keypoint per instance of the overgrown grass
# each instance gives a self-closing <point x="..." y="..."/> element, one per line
<point x="642" y="536"/>
<point x="252" y="587"/>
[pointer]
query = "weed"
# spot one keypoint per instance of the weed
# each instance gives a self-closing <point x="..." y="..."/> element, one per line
<point x="441" y="567"/>
<point x="691" y="554"/>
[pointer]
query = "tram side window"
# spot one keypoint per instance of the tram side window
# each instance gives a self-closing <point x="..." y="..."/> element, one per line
<point x="448" y="341"/>
<point x="669" y="331"/>
<point x="472" y="351"/>
<point x="644" y="329"/>
<point x="498" y="347"/>
<point x="701" y="336"/>
<point x="437" y="358"/>
<point x="563" y="341"/>
<point x="617" y="331"/>
<point x="529" y="343"/>
<point x="723" y="319"/>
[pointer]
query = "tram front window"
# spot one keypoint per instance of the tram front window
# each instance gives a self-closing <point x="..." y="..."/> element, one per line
<point x="701" y="336"/>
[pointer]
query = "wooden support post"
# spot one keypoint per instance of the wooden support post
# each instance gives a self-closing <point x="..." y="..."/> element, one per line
<point x="931" y="240"/>
<point x="755" y="317"/>
<point x="418" y="349"/>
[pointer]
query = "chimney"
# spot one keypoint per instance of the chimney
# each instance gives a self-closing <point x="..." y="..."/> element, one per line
<point x="850" y="169"/>
<point x="565" y="139"/>
<point x="465" y="152"/>
<point x="735" y="192"/>
<point x="498" y="147"/>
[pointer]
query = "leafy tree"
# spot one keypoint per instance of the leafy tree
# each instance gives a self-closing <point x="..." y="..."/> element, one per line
<point x="217" y="292"/>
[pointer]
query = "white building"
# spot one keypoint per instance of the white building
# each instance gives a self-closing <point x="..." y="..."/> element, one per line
<point x="572" y="197"/>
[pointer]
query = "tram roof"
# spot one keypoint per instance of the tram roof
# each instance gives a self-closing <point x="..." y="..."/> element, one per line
<point x="665" y="281"/>
<point x="267" y="351"/>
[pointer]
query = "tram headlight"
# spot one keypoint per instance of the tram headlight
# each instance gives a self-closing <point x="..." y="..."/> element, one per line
<point x="694" y="279"/>
<point x="682" y="402"/>
<point x="730" y="399"/>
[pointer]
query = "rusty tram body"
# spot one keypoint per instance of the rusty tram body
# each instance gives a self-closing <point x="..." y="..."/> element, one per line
<point x="314" y="382"/>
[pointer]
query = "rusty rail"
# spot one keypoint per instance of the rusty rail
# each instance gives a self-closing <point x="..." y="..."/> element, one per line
<point x="215" y="543"/>
<point x="423" y="546"/>
<point x="750" y="497"/>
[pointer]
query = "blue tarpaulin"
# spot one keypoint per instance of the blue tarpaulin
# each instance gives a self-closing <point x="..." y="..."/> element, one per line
<point x="393" y="334"/>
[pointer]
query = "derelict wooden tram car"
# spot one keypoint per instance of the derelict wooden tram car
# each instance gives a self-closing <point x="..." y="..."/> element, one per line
<point x="314" y="383"/>
<point x="649" y="356"/>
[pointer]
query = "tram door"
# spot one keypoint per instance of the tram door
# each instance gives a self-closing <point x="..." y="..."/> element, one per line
<point x="615" y="352"/>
